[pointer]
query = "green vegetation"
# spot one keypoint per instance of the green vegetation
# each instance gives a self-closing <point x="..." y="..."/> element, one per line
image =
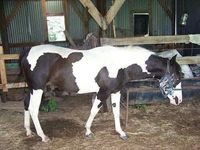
<point x="51" y="106"/>
<point x="140" y="107"/>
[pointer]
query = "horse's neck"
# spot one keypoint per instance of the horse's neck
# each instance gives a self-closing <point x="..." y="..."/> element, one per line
<point x="156" y="68"/>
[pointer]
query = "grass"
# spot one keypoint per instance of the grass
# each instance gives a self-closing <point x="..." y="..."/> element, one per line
<point x="140" y="107"/>
<point x="50" y="106"/>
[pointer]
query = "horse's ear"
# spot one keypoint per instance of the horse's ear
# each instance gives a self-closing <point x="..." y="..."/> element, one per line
<point x="173" y="59"/>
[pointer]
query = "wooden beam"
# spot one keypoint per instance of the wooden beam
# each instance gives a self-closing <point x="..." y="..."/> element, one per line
<point x="24" y="44"/>
<point x="14" y="85"/>
<point x="69" y="38"/>
<point x="146" y="40"/>
<point x="150" y="17"/>
<point x="188" y="60"/>
<point x="101" y="6"/>
<point x="83" y="16"/>
<point x="3" y="29"/>
<point x="2" y="16"/>
<point x="3" y="73"/>
<point x="9" y="56"/>
<point x="54" y="14"/>
<point x="44" y="15"/>
<point x="94" y="13"/>
<point x="103" y="22"/>
<point x="65" y="10"/>
<point x="14" y="11"/>
<point x="78" y="12"/>
<point x="86" y="22"/>
<point x="65" y="6"/>
<point x="12" y="14"/>
<point x="113" y="10"/>
<point x="165" y="8"/>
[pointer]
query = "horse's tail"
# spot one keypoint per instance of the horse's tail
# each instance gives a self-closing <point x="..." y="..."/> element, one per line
<point x="22" y="54"/>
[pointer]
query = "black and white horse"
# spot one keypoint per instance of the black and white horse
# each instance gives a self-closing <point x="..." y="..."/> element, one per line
<point x="103" y="70"/>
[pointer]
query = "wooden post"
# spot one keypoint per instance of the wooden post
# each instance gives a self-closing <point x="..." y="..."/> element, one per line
<point x="3" y="72"/>
<point x="67" y="35"/>
<point x="113" y="26"/>
<point x="150" y="17"/>
<point x="65" y="10"/>
<point x="44" y="15"/>
<point x="3" y="29"/>
<point x="86" y="22"/>
<point x="3" y="77"/>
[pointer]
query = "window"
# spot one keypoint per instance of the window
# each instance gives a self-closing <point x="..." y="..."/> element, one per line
<point x="56" y="28"/>
<point x="141" y="24"/>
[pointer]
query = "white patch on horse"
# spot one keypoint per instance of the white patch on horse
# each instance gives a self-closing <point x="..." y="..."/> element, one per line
<point x="176" y="93"/>
<point x="88" y="67"/>
<point x="40" y="50"/>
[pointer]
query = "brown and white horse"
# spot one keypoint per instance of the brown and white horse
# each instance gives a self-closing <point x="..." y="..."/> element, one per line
<point x="104" y="70"/>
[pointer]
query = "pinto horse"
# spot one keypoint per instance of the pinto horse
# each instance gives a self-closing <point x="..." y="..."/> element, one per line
<point x="103" y="70"/>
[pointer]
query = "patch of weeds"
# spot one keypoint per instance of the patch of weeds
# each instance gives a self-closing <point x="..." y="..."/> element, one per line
<point x="51" y="105"/>
<point x="141" y="107"/>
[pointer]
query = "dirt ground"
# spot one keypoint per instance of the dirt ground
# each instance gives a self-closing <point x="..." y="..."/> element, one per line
<point x="155" y="127"/>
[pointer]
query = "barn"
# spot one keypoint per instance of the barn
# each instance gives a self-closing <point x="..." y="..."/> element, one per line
<point x="42" y="35"/>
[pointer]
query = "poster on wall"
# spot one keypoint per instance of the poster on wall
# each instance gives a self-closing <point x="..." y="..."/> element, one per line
<point x="56" y="28"/>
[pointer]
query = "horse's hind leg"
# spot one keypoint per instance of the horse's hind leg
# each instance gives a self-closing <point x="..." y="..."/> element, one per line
<point x="35" y="100"/>
<point x="95" y="109"/>
<point x="29" y="133"/>
<point x="27" y="123"/>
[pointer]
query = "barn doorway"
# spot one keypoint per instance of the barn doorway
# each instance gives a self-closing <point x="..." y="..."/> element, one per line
<point x="141" y="24"/>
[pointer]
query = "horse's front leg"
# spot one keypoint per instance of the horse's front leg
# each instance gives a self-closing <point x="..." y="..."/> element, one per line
<point x="115" y="98"/>
<point x="35" y="100"/>
<point x="97" y="104"/>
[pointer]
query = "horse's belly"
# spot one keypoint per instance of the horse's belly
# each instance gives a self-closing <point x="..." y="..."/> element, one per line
<point x="85" y="79"/>
<point x="86" y="83"/>
<point x="87" y="87"/>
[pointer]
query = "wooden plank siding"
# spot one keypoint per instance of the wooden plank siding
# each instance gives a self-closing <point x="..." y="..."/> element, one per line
<point x="146" y="40"/>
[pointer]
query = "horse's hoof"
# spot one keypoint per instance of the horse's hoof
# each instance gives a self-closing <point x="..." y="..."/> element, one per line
<point x="89" y="136"/>
<point x="46" y="139"/>
<point x="30" y="135"/>
<point x="125" y="137"/>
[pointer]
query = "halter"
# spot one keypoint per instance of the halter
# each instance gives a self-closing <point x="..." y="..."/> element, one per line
<point x="166" y="82"/>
